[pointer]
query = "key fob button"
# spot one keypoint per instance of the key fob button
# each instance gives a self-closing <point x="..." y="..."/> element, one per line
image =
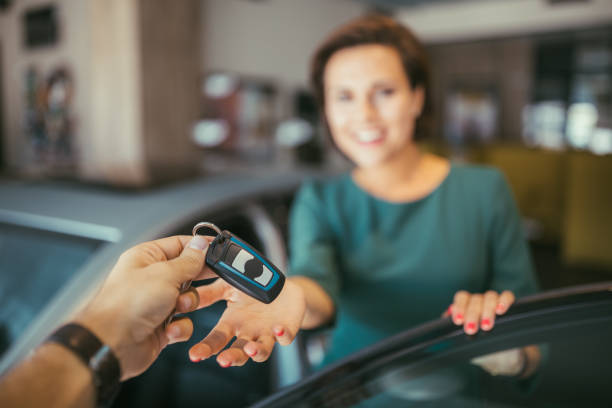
<point x="246" y="263"/>
<point x="257" y="271"/>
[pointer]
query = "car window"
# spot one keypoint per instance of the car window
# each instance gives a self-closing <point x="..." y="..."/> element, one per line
<point x="574" y="371"/>
<point x="34" y="265"/>
<point x="437" y="365"/>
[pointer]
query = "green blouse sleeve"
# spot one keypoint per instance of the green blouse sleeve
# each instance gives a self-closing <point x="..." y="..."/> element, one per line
<point x="511" y="266"/>
<point x="311" y="242"/>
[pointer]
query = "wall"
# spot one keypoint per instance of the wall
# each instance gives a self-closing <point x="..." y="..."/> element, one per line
<point x="270" y="39"/>
<point x="72" y="51"/>
<point x="135" y="67"/>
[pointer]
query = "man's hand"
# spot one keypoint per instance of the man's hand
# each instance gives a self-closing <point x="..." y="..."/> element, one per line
<point x="141" y="291"/>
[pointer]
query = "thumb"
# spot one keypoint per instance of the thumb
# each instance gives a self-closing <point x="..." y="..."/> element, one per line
<point x="190" y="263"/>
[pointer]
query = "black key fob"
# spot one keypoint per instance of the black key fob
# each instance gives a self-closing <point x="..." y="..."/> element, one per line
<point x="243" y="267"/>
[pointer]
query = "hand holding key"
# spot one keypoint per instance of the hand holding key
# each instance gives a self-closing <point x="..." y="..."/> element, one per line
<point x="257" y="326"/>
<point x="140" y="292"/>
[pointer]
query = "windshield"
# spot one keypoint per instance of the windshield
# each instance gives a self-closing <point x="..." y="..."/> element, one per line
<point x="438" y="366"/>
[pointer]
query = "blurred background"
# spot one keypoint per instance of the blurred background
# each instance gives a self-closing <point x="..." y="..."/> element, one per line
<point x="135" y="93"/>
<point x="141" y="95"/>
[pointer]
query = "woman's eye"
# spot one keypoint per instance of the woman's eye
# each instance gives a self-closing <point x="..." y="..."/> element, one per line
<point x="385" y="92"/>
<point x="344" y="96"/>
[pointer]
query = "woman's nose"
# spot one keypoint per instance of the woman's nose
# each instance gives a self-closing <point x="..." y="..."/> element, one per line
<point x="366" y="110"/>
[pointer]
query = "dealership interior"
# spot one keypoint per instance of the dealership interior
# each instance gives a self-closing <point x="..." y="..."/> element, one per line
<point x="123" y="121"/>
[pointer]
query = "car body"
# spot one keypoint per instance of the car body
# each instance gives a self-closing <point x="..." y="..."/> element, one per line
<point x="58" y="240"/>
<point x="429" y="365"/>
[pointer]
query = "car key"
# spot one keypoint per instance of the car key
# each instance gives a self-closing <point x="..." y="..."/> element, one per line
<point x="242" y="266"/>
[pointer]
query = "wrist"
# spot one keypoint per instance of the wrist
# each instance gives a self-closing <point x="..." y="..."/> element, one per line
<point x="97" y="356"/>
<point x="103" y="325"/>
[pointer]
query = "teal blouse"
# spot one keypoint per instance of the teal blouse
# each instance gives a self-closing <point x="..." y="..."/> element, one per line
<point x="390" y="266"/>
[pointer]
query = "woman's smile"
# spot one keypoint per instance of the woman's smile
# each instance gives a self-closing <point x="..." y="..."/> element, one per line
<point x="369" y="137"/>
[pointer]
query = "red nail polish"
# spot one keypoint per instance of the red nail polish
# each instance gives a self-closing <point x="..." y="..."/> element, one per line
<point x="459" y="317"/>
<point x="252" y="353"/>
<point x="280" y="332"/>
<point x="225" y="365"/>
<point x="500" y="307"/>
<point x="471" y="326"/>
<point x="486" y="323"/>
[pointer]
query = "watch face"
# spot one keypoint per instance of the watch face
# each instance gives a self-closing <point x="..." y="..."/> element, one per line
<point x="246" y="263"/>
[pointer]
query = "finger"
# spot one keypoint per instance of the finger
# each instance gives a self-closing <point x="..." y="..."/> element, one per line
<point x="459" y="306"/>
<point x="150" y="252"/>
<point x="506" y="299"/>
<point x="218" y="338"/>
<point x="260" y="350"/>
<point x="206" y="273"/>
<point x="234" y="355"/>
<point x="179" y="330"/>
<point x="472" y="314"/>
<point x="284" y="336"/>
<point x="489" y="303"/>
<point x="212" y="293"/>
<point x="190" y="263"/>
<point x="448" y="312"/>
<point x="188" y="301"/>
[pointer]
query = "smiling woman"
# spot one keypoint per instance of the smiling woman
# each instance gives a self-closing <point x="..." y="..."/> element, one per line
<point x="401" y="237"/>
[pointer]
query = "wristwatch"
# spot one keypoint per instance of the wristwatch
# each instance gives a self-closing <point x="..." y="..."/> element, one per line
<point x="96" y="355"/>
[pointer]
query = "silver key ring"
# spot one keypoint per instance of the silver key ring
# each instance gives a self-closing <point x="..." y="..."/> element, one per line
<point x="210" y="225"/>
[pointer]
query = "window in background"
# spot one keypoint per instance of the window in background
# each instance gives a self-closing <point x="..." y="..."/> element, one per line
<point x="471" y="115"/>
<point x="572" y="94"/>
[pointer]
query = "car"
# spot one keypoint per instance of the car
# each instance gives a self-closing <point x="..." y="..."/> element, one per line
<point x="431" y="365"/>
<point x="59" y="239"/>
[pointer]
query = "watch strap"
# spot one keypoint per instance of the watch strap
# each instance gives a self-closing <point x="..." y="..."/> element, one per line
<point x="98" y="356"/>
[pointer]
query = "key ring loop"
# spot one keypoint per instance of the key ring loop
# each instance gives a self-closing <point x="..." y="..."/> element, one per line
<point x="205" y="225"/>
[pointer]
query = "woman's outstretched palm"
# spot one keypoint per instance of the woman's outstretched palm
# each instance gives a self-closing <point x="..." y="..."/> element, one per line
<point x="256" y="325"/>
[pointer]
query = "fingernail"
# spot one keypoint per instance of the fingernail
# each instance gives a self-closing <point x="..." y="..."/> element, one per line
<point x="186" y="302"/>
<point x="224" y="364"/>
<point x="500" y="307"/>
<point x="471" y="327"/>
<point x="174" y="332"/>
<point x="252" y="353"/>
<point x="195" y="359"/>
<point x="486" y="323"/>
<point x="458" y="318"/>
<point x="280" y="332"/>
<point x="198" y="242"/>
<point x="450" y="310"/>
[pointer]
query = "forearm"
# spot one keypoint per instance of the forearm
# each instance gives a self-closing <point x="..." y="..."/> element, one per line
<point x="320" y="307"/>
<point x="533" y="356"/>
<point x="52" y="377"/>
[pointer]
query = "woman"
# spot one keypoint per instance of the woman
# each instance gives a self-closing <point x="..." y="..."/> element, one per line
<point x="397" y="240"/>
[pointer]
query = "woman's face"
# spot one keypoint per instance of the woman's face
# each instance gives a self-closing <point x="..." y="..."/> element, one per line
<point x="369" y="104"/>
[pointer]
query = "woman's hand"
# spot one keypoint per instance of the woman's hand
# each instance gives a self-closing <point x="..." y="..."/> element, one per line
<point x="477" y="310"/>
<point x="257" y="326"/>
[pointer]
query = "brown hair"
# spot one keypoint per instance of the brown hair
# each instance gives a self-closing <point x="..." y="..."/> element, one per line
<point x="375" y="29"/>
